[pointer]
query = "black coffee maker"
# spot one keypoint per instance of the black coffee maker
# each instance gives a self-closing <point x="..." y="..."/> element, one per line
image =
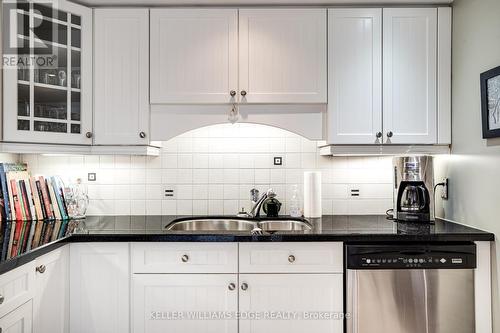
<point x="413" y="189"/>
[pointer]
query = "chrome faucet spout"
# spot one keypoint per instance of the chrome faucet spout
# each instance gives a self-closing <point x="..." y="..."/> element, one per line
<point x="257" y="204"/>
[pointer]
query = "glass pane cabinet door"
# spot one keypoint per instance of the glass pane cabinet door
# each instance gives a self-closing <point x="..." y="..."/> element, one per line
<point x="48" y="80"/>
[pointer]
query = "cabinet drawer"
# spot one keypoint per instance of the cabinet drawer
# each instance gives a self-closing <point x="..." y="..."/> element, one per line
<point x="291" y="257"/>
<point x="184" y="257"/>
<point x="17" y="287"/>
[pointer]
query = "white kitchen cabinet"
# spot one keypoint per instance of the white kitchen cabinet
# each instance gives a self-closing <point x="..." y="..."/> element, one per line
<point x="299" y="298"/>
<point x="194" y="55"/>
<point x="121" y="76"/>
<point x="184" y="257"/>
<point x="170" y="302"/>
<point x="410" y="75"/>
<point x="51" y="301"/>
<point x="18" y="321"/>
<point x="16" y="287"/>
<point x="99" y="294"/>
<point x="355" y="76"/>
<point x="50" y="99"/>
<point x="282" y="55"/>
<point x="291" y="257"/>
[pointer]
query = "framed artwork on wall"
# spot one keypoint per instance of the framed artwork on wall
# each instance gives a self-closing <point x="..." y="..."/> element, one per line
<point x="490" y="103"/>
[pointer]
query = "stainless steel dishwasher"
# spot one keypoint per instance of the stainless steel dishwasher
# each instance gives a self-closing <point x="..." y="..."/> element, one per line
<point x="417" y="288"/>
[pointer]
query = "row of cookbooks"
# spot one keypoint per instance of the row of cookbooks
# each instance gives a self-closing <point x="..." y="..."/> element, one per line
<point x="33" y="210"/>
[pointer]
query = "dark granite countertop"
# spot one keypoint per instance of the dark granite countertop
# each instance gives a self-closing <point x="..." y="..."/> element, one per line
<point x="328" y="228"/>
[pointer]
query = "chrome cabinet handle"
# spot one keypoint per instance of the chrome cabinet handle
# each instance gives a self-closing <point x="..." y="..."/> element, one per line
<point x="243" y="93"/>
<point x="231" y="286"/>
<point x="232" y="93"/>
<point x="244" y="286"/>
<point x="142" y="135"/>
<point x="378" y="135"/>
<point x="185" y="258"/>
<point x="291" y="258"/>
<point x="41" y="269"/>
<point x="390" y="134"/>
<point x="88" y="134"/>
<point x="2" y="298"/>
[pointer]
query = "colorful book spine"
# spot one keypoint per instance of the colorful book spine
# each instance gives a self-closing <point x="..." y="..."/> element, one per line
<point x="36" y="199"/>
<point x="53" y="200"/>
<point x="59" y="199"/>
<point x="46" y="198"/>
<point x="25" y="200"/>
<point x="5" y="193"/>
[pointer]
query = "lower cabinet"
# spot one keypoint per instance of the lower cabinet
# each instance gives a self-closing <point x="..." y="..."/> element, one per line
<point x="99" y="294"/>
<point x="18" y="321"/>
<point x="184" y="303"/>
<point x="51" y="301"/>
<point x="291" y="303"/>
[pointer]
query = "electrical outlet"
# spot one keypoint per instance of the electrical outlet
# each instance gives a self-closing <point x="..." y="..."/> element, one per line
<point x="445" y="189"/>
<point x="169" y="192"/>
<point x="92" y="177"/>
<point x="355" y="192"/>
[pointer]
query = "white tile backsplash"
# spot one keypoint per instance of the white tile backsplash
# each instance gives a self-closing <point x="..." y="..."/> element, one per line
<point x="212" y="170"/>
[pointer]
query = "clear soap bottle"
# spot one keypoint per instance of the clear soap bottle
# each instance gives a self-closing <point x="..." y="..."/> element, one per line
<point x="295" y="203"/>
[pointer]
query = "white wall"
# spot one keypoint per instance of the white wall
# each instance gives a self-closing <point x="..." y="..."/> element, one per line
<point x="474" y="167"/>
<point x="212" y="170"/>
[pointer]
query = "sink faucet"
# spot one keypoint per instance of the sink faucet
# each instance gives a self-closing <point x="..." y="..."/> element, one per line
<point x="258" y="201"/>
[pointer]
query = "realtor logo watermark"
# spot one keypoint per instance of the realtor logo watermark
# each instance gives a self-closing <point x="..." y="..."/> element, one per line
<point x="27" y="35"/>
<point x="247" y="315"/>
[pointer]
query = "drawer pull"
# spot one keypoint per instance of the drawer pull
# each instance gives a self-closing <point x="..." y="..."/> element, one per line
<point x="2" y="298"/>
<point x="244" y="286"/>
<point x="41" y="269"/>
<point x="185" y="258"/>
<point x="291" y="258"/>
<point x="231" y="286"/>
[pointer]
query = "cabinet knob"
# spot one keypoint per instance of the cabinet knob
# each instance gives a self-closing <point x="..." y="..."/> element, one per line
<point x="378" y="135"/>
<point x="232" y="93"/>
<point x="88" y="134"/>
<point x="390" y="134"/>
<point x="142" y="135"/>
<point x="231" y="286"/>
<point x="41" y="269"/>
<point x="185" y="258"/>
<point x="2" y="298"/>
<point x="244" y="286"/>
<point x="243" y="93"/>
<point x="291" y="258"/>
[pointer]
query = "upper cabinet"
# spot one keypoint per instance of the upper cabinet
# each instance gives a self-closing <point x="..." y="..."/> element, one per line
<point x="194" y="56"/>
<point x="282" y="56"/>
<point x="355" y="75"/>
<point x="121" y="73"/>
<point x="410" y="75"/>
<point x="390" y="82"/>
<point x="197" y="56"/>
<point x="49" y="99"/>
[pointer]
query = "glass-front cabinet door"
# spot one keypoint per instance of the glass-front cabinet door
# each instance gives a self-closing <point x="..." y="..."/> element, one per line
<point x="47" y="72"/>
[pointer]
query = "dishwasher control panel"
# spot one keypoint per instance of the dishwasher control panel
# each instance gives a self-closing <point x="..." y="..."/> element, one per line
<point x="418" y="256"/>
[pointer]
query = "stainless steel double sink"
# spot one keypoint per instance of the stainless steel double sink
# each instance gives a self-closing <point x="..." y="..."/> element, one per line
<point x="227" y="224"/>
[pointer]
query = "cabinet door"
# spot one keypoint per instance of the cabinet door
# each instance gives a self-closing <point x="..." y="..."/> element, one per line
<point x="18" y="321"/>
<point x="283" y="55"/>
<point x="99" y="295"/>
<point x="49" y="100"/>
<point x="51" y="302"/>
<point x="172" y="302"/>
<point x="355" y="76"/>
<point x="409" y="61"/>
<point x="194" y="54"/>
<point x="299" y="298"/>
<point x="121" y="62"/>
